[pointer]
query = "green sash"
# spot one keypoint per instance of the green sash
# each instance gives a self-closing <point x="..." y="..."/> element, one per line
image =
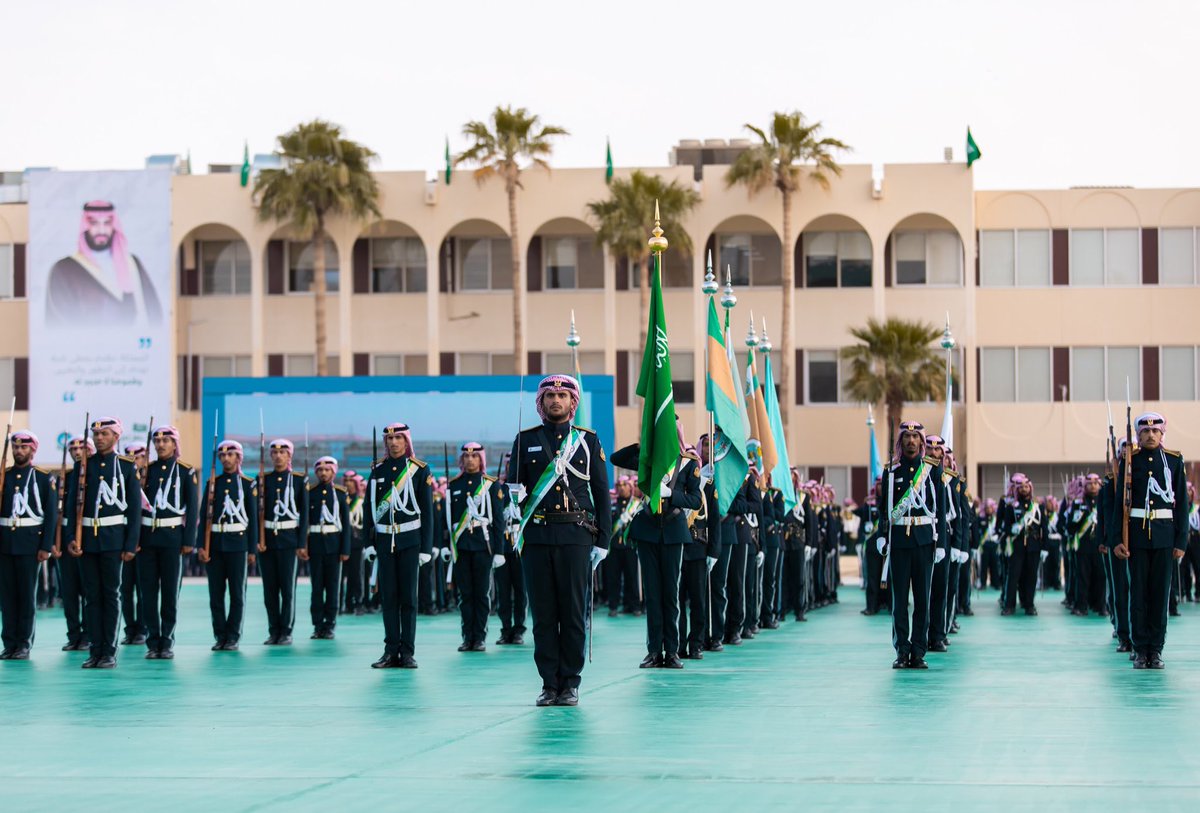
<point x="460" y="527"/>
<point x="381" y="507"/>
<point x="542" y="487"/>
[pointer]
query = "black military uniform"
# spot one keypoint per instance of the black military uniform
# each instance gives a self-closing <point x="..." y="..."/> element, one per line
<point x="328" y="542"/>
<point x="285" y="531"/>
<point x="774" y="515"/>
<point x="913" y="526"/>
<point x="233" y="528"/>
<point x="1083" y="545"/>
<point x="476" y="520"/>
<point x="745" y="510"/>
<point x="70" y="576"/>
<point x="400" y="528"/>
<point x="1158" y="526"/>
<point x="795" y="533"/>
<point x="621" y="577"/>
<point x="1116" y="569"/>
<point x="352" y="573"/>
<point x="1020" y="521"/>
<point x="112" y="522"/>
<point x="168" y="526"/>
<point x="28" y="513"/>
<point x="510" y="577"/>
<point x="943" y="571"/>
<point x="563" y="526"/>
<point x="754" y="532"/>
<point x="699" y="555"/>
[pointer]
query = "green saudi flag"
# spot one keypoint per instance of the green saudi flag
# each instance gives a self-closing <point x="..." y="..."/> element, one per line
<point x="449" y="164"/>
<point x="973" y="152"/>
<point x="608" y="168"/>
<point x="659" y="450"/>
<point x="245" y="163"/>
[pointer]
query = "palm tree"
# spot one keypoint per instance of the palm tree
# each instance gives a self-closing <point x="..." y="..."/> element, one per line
<point x="323" y="175"/>
<point x="625" y="217"/>
<point x="896" y="361"/>
<point x="497" y="149"/>
<point x="793" y="148"/>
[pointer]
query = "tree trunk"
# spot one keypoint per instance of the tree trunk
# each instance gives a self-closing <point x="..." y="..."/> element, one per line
<point x="894" y="412"/>
<point x="520" y="357"/>
<point x="786" y="340"/>
<point x="644" y="293"/>
<point x="319" y="291"/>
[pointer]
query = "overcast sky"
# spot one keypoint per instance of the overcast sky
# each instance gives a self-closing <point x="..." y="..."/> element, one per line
<point x="1062" y="93"/>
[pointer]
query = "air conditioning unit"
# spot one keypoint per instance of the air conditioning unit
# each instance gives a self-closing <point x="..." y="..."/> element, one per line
<point x="877" y="188"/>
<point x="431" y="192"/>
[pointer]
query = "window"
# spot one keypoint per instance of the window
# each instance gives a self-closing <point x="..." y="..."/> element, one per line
<point x="6" y="271"/>
<point x="682" y="383"/>
<point x="839" y="478"/>
<point x="590" y="363"/>
<point x="224" y="267"/>
<point x="1100" y="373"/>
<point x="1033" y="374"/>
<point x="1015" y="374"/>
<point x="300" y="267"/>
<point x="397" y="265"/>
<point x="485" y="364"/>
<point x="927" y="258"/>
<point x="8" y="380"/>
<point x="822" y="376"/>
<point x="753" y="258"/>
<point x="832" y="258"/>
<point x="1178" y="377"/>
<point x="1008" y="258"/>
<point x="572" y="262"/>
<point x="484" y="263"/>
<point x="386" y="364"/>
<point x="206" y="367"/>
<point x="297" y="365"/>
<point x="1178" y="254"/>
<point x="1105" y="257"/>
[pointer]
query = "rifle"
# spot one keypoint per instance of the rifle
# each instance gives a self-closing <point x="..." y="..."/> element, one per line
<point x="446" y="459"/>
<point x="208" y="501"/>
<point x="80" y="488"/>
<point x="62" y="484"/>
<point x="149" y="446"/>
<point x="262" y="483"/>
<point x="7" y="435"/>
<point x="1127" y="501"/>
<point x="1110" y="454"/>
<point x="305" y="519"/>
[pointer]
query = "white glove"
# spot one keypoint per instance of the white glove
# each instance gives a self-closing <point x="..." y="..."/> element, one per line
<point x="1045" y="555"/>
<point x="664" y="491"/>
<point x="597" y="556"/>
<point x="711" y="561"/>
<point x="760" y="558"/>
<point x="809" y="553"/>
<point x="963" y="557"/>
<point x="939" y="555"/>
<point x="498" y="560"/>
<point x="447" y="554"/>
<point x="424" y="558"/>
<point x="880" y="544"/>
<point x="369" y="552"/>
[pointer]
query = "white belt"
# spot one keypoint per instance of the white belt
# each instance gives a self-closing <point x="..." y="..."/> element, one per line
<point x="1157" y="513"/>
<point x="100" y="522"/>
<point x="228" y="527"/>
<point x="164" y="522"/>
<point x="324" y="529"/>
<point x="282" y="525"/>
<point x="915" y="521"/>
<point x="21" y="522"/>
<point x="403" y="527"/>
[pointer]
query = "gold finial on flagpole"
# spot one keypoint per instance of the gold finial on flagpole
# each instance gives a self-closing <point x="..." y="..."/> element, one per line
<point x="657" y="243"/>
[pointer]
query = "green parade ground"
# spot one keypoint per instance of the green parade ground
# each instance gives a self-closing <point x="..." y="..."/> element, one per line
<point x="1021" y="713"/>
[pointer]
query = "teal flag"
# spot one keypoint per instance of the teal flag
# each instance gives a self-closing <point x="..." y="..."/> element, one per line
<point x="727" y="451"/>
<point x="659" y="450"/>
<point x="781" y="474"/>
<point x="973" y="152"/>
<point x="245" y="163"/>
<point x="608" y="166"/>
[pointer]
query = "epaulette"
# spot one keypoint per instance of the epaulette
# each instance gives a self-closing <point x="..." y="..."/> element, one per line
<point x="420" y="463"/>
<point x="952" y="473"/>
<point x="248" y="478"/>
<point x="1172" y="452"/>
<point x="931" y="461"/>
<point x="585" y="429"/>
<point x="336" y="487"/>
<point x="127" y="458"/>
<point x="489" y="478"/>
<point x="46" y="471"/>
<point x="181" y="464"/>
<point x="689" y="456"/>
<point x="532" y="428"/>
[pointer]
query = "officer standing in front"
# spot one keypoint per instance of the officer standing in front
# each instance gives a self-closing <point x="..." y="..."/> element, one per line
<point x="328" y="546"/>
<point x="285" y="532"/>
<point x="1157" y="535"/>
<point x="564" y="531"/>
<point x="168" y="534"/>
<point x="28" y="511"/>
<point x="476" y="541"/>
<point x="231" y="517"/>
<point x="112" y="523"/>
<point x="400" y="529"/>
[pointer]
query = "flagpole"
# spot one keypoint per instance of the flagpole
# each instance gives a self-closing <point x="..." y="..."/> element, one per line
<point x="709" y="288"/>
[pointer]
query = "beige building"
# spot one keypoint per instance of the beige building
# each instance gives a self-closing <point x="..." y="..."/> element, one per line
<point x="1055" y="298"/>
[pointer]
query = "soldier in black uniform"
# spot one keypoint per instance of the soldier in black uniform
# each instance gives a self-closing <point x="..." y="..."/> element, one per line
<point x="131" y="591"/>
<point x="621" y="566"/>
<point x="112" y="523"/>
<point x="700" y="554"/>
<point x="558" y="473"/>
<point x="744" y="511"/>
<point x="231" y="516"/>
<point x="476" y="541"/>
<point x="510" y="578"/>
<point x="328" y="545"/>
<point x="913" y="538"/>
<point x="1116" y="569"/>
<point x="659" y="538"/>
<point x="352" y="572"/>
<point x="285" y="533"/>
<point x="939" y="590"/>
<point x="1087" y="573"/>
<point x="1157" y="535"/>
<point x="1021" y="525"/>
<point x="69" y="572"/>
<point x="794" y="566"/>
<point x="965" y="576"/>
<point x="989" y="547"/>
<point x="774" y="514"/>
<point x="168" y="534"/>
<point x="28" y="513"/>
<point x="868" y="524"/>
<point x="400" y="529"/>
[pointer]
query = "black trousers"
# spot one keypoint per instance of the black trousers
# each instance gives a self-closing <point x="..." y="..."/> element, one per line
<point x="131" y="599"/>
<point x="278" y="571"/>
<point x="1191" y="567"/>
<point x="1149" y="593"/>
<point x="18" y="599"/>
<point x="621" y="578"/>
<point x="160" y="571"/>
<point x="1052" y="567"/>
<point x="473" y="578"/>
<point x="718" y="592"/>
<point x="874" y="567"/>
<point x="938" y="595"/>
<point x="101" y="573"/>
<point x="735" y="583"/>
<point x="1021" y="579"/>
<point x="1118" y="595"/>
<point x="1087" y="578"/>
<point x="352" y="579"/>
<point x="558" y="580"/>
<point x="427" y="587"/>
<point x="693" y="604"/>
<point x="398" y="571"/>
<point x="661" y="565"/>
<point x="965" y="582"/>
<point x="911" y="569"/>
<point x="989" y="570"/>
<point x="510" y="582"/>
<point x="227" y="570"/>
<point x="770" y="584"/>
<point x="325" y="574"/>
<point x="71" y="583"/>
<point x="753" y="591"/>
<point x="793" y="580"/>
